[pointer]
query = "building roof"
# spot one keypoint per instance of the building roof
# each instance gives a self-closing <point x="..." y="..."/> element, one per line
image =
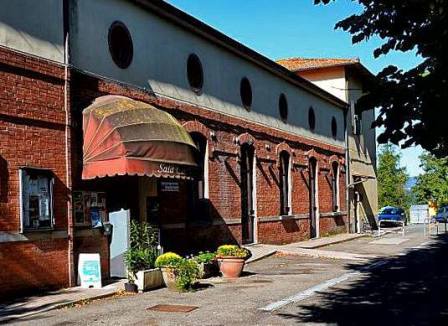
<point x="301" y="64"/>
<point x="297" y="65"/>
<point x="183" y="20"/>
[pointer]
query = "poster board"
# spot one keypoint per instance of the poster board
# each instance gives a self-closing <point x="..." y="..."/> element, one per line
<point x="89" y="271"/>
<point x="89" y="208"/>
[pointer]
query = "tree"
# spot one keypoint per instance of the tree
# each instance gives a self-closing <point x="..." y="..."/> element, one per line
<point x="412" y="103"/>
<point x="391" y="178"/>
<point x="433" y="183"/>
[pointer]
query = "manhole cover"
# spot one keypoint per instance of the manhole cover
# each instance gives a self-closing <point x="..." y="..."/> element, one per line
<point x="172" y="308"/>
<point x="260" y="281"/>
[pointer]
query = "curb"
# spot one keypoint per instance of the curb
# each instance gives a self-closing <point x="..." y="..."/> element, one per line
<point x="268" y="254"/>
<point x="7" y="319"/>
<point x="337" y="241"/>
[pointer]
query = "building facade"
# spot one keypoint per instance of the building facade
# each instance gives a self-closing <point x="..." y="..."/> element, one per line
<point x="134" y="105"/>
<point x="348" y="79"/>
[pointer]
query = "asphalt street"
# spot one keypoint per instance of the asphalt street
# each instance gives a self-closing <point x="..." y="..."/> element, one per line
<point x="405" y="284"/>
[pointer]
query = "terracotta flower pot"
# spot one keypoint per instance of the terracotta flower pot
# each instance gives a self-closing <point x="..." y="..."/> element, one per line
<point x="169" y="277"/>
<point x="231" y="267"/>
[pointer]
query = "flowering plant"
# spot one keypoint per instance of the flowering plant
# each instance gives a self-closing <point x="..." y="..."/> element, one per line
<point x="169" y="259"/>
<point x="232" y="251"/>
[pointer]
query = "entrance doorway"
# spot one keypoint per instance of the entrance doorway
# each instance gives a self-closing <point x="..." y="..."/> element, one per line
<point x="247" y="193"/>
<point x="314" y="202"/>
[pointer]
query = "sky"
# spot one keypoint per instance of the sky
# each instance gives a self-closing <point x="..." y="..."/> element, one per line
<point x="298" y="28"/>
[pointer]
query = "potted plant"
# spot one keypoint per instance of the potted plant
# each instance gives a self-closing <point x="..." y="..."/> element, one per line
<point x="186" y="274"/>
<point x="207" y="264"/>
<point x="167" y="263"/>
<point x="231" y="260"/>
<point x="179" y="274"/>
<point x="140" y="258"/>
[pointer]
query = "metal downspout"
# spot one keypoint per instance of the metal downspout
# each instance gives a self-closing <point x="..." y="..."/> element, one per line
<point x="68" y="157"/>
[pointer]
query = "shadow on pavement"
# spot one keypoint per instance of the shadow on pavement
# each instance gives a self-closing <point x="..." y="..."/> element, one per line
<point x="411" y="289"/>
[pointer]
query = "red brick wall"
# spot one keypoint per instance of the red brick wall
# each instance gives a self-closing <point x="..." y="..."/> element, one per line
<point x="93" y="244"/>
<point x="283" y="232"/>
<point x="224" y="167"/>
<point x="32" y="130"/>
<point x="32" y="133"/>
<point x="30" y="266"/>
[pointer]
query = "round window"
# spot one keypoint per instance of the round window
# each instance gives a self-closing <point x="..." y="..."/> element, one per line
<point x="283" y="107"/>
<point x="311" y="118"/>
<point x="246" y="93"/>
<point x="195" y="74"/>
<point x="334" y="127"/>
<point x="120" y="45"/>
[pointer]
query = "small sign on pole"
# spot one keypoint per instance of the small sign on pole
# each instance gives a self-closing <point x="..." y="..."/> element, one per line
<point x="89" y="270"/>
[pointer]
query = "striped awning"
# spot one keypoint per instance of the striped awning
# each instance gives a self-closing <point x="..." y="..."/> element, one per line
<point x="123" y="136"/>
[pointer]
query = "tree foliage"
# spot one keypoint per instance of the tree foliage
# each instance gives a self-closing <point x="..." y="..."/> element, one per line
<point x="412" y="103"/>
<point x="391" y="178"/>
<point x="433" y="183"/>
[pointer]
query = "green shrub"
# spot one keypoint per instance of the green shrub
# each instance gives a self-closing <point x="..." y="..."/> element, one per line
<point x="169" y="259"/>
<point x="142" y="235"/>
<point x="187" y="272"/>
<point x="205" y="257"/>
<point x="232" y="251"/>
<point x="138" y="259"/>
<point x="142" y="252"/>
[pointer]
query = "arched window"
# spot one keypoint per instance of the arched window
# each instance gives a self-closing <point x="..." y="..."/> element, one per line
<point x="285" y="183"/>
<point x="248" y="192"/>
<point x="335" y="186"/>
<point x="199" y="207"/>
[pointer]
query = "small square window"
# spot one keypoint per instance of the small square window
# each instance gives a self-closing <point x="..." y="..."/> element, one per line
<point x="36" y="199"/>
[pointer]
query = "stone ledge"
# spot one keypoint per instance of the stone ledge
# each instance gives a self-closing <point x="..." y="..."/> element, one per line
<point x="6" y="237"/>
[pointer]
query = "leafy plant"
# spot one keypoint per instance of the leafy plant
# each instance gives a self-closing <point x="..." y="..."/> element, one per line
<point x="142" y="235"/>
<point x="187" y="272"/>
<point x="412" y="103"/>
<point x="204" y="257"/>
<point x="169" y="259"/>
<point x="142" y="252"/>
<point x="138" y="259"/>
<point x="432" y="184"/>
<point x="232" y="251"/>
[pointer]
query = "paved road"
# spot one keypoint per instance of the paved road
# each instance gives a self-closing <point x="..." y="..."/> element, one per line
<point x="410" y="289"/>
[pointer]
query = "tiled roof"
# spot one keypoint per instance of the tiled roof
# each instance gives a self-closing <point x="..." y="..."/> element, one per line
<point x="300" y="64"/>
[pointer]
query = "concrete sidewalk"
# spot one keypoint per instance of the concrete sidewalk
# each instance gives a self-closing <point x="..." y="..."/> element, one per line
<point x="260" y="251"/>
<point x="28" y="306"/>
<point x="31" y="305"/>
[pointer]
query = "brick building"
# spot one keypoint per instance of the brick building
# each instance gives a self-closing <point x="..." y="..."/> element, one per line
<point x="348" y="79"/>
<point x="147" y="109"/>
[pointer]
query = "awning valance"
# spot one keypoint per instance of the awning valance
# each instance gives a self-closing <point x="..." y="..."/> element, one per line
<point x="127" y="137"/>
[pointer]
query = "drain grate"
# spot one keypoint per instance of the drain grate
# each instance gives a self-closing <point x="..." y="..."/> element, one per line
<point x="172" y="308"/>
<point x="260" y="281"/>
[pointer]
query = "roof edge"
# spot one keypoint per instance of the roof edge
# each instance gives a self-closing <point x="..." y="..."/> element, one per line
<point x="181" y="18"/>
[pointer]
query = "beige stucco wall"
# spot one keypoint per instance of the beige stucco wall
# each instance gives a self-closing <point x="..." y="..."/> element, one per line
<point x="34" y="27"/>
<point x="161" y="50"/>
<point x="331" y="79"/>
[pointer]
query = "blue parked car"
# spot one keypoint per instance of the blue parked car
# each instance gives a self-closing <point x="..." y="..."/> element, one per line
<point x="392" y="214"/>
<point x="442" y="214"/>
